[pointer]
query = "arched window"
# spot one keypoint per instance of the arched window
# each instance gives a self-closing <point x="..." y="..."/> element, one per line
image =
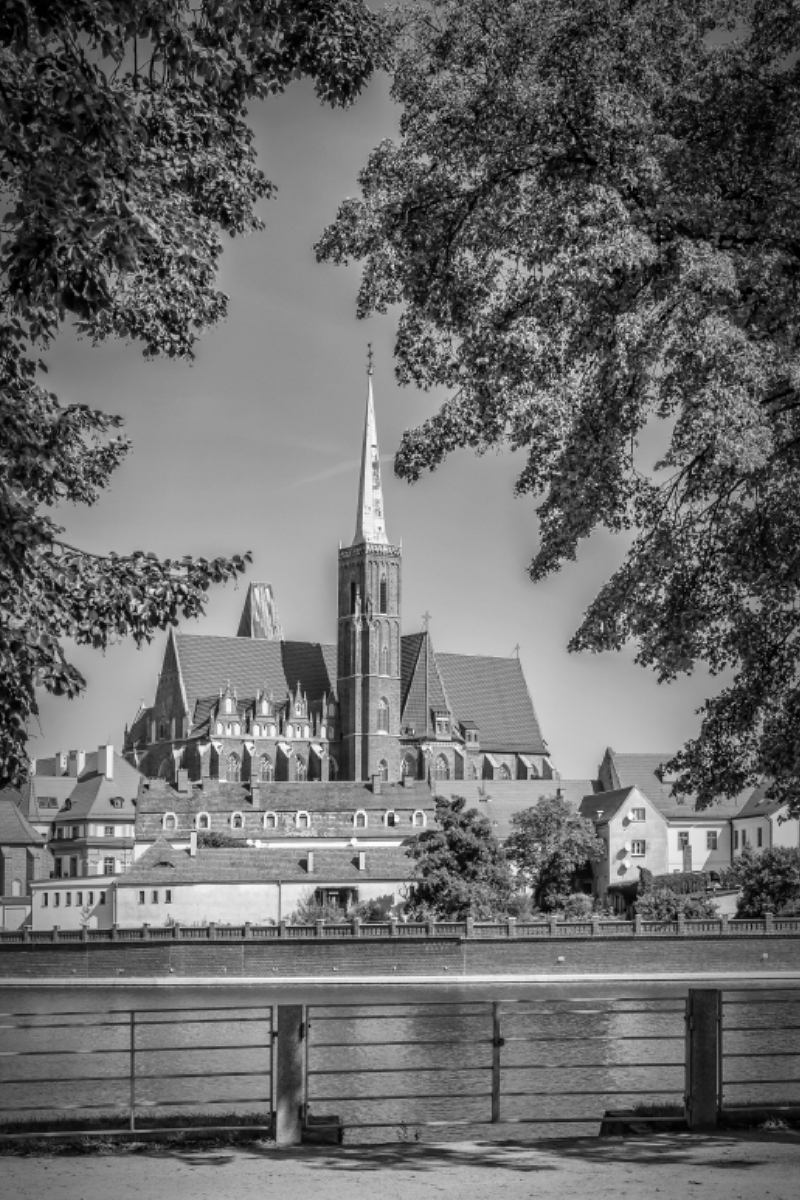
<point x="16" y="887"/>
<point x="270" y="820"/>
<point x="360" y="819"/>
<point x="333" y="769"/>
<point x="441" y="769"/>
<point x="390" y="818"/>
<point x="384" y="659"/>
<point x="272" y="731"/>
<point x="383" y="771"/>
<point x="306" y="731"/>
<point x="237" y="729"/>
<point x="220" y="729"/>
<point x="409" y="767"/>
<point x="323" y="731"/>
<point x="505" y="773"/>
<point x="301" y="771"/>
<point x="303" y="820"/>
<point x="256" y="730"/>
<point x="234" y="768"/>
<point x="237" y="821"/>
<point x="383" y="715"/>
<point x="290" y="730"/>
<point x="169" y="822"/>
<point x="419" y="818"/>
<point x="383" y="596"/>
<point x="228" y="706"/>
<point x="266" y="770"/>
<point x="203" y="821"/>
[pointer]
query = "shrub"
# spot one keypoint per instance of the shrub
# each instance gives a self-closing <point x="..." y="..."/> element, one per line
<point x="368" y="910"/>
<point x="574" y="906"/>
<point x="216" y="840"/>
<point x="682" y="883"/>
<point x="310" y="910"/>
<point x="662" y="904"/>
<point x="770" y="881"/>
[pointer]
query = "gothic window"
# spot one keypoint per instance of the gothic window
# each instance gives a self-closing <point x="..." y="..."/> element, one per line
<point x="272" y="731"/>
<point x="383" y="605"/>
<point x="384" y="659"/>
<point x="383" y="715"/>
<point x="360" y="819"/>
<point x="441" y="769"/>
<point x="162" y="731"/>
<point x="270" y="820"/>
<point x="353" y="641"/>
<point x="323" y="731"/>
<point x="333" y="769"/>
<point x="306" y="731"/>
<point x="237" y="729"/>
<point x="266" y="771"/>
<point x="504" y="772"/>
<point x="220" y="729"/>
<point x="256" y="731"/>
<point x="302" y="768"/>
<point x="16" y="887"/>
<point x="234" y="768"/>
<point x="298" y="710"/>
<point x="353" y="595"/>
<point x="237" y="821"/>
<point x="383" y="771"/>
<point x="409" y="768"/>
<point x="228" y="706"/>
<point x="203" y="821"/>
<point x="290" y="730"/>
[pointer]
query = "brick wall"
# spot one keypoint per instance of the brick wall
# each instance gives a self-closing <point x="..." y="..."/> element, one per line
<point x="404" y="957"/>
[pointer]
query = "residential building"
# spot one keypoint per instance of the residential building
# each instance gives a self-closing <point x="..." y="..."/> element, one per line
<point x="93" y="831"/>
<point x="763" y="824"/>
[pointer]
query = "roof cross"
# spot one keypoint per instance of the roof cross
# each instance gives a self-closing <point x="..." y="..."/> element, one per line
<point x="426" y="616"/>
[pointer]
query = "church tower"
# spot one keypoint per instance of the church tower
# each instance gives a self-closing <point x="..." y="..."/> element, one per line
<point x="369" y="629"/>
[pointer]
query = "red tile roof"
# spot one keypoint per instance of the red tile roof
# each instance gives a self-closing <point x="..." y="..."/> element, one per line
<point x="15" y="828"/>
<point x="642" y="771"/>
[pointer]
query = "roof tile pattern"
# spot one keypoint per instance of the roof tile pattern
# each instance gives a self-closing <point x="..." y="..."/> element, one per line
<point x="493" y="693"/>
<point x="418" y="698"/>
<point x="15" y="828"/>
<point x="642" y="771"/>
<point x="499" y="801"/>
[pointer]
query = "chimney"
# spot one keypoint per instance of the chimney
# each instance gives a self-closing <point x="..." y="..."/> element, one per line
<point x="376" y="785"/>
<point x="362" y="860"/>
<point x="182" y="783"/>
<point x="310" y="862"/>
<point x="193" y="844"/>
<point x="59" y="763"/>
<point x="31" y="766"/>
<point x="76" y="763"/>
<point x="105" y="761"/>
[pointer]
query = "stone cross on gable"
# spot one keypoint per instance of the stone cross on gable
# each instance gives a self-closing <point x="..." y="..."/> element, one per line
<point x="426" y="616"/>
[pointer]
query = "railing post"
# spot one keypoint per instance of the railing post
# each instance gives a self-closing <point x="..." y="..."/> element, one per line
<point x="595" y="927"/>
<point x="497" y="1043"/>
<point x="702" y="1057"/>
<point x="470" y="926"/>
<point x="319" y="928"/>
<point x="681" y="923"/>
<point x="637" y="924"/>
<point x="724" y="925"/>
<point x="289" y="1090"/>
<point x="132" y="1100"/>
<point x="769" y="923"/>
<point x="512" y="927"/>
<point x="55" y="932"/>
<point x="356" y="927"/>
<point x="554" y="925"/>
<point x="392" y="926"/>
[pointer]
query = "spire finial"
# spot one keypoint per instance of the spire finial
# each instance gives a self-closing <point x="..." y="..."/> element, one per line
<point x="369" y="358"/>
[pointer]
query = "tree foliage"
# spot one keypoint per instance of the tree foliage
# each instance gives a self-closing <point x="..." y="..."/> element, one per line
<point x="125" y="156"/>
<point x="663" y="904"/>
<point x="549" y="844"/>
<point x="769" y="881"/>
<point x="460" y="868"/>
<point x="592" y="221"/>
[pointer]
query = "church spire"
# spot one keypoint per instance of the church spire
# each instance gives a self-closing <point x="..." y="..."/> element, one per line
<point x="370" y="525"/>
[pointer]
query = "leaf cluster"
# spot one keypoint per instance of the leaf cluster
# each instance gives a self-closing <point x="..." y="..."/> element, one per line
<point x="663" y="904"/>
<point x="592" y="222"/>
<point x="769" y="881"/>
<point x="548" y="845"/>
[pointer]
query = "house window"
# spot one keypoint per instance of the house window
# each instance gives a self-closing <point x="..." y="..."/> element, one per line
<point x="442" y="727"/>
<point x="419" y="818"/>
<point x="270" y="820"/>
<point x="711" y="839"/>
<point x="391" y="818"/>
<point x="638" y="814"/>
<point x="759" y="837"/>
<point x="441" y="769"/>
<point x="744" y="838"/>
<point x="102" y="897"/>
<point x="79" y="898"/>
<point x="383" y="715"/>
<point x="383" y="771"/>
<point x="237" y="821"/>
<point x="118" y="802"/>
<point x="638" y="848"/>
<point x="472" y="736"/>
<point x="56" y="899"/>
<point x="68" y="899"/>
<point x="360" y="820"/>
<point x="90" y="897"/>
<point x="683" y="839"/>
<point x="234" y="768"/>
<point x="203" y="821"/>
<point x="301" y="770"/>
<point x="266" y="771"/>
<point x="141" y="897"/>
<point x="154" y="897"/>
<point x="170" y="821"/>
<point x="736" y="839"/>
<point x="45" y="900"/>
<point x="168" y="896"/>
<point x="303" y="820"/>
<point x="108" y="831"/>
<point x="383" y="596"/>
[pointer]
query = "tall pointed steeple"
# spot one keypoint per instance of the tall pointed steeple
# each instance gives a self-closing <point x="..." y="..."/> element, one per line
<point x="370" y="525"/>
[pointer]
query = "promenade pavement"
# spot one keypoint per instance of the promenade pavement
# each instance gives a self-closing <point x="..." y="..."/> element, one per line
<point x="729" y="1166"/>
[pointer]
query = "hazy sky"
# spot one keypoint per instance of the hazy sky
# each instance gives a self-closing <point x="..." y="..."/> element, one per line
<point x="256" y="447"/>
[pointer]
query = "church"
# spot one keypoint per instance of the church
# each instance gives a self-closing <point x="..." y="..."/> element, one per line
<point x="379" y="706"/>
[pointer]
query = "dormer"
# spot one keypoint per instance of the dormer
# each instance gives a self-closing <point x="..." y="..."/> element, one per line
<point x="440" y="718"/>
<point x="470" y="734"/>
<point x="265" y="704"/>
<point x="227" y="700"/>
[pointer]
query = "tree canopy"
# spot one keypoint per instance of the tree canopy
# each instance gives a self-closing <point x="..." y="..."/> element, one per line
<point x="592" y="223"/>
<point x="460" y="868"/>
<point x="549" y="845"/>
<point x="769" y="881"/>
<point x="125" y="156"/>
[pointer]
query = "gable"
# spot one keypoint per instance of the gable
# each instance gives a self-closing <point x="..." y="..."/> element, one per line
<point x="493" y="693"/>
<point x="421" y="684"/>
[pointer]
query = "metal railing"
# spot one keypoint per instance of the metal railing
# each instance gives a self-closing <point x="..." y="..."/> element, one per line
<point x="139" y="1046"/>
<point x="337" y="930"/>
<point x="759" y="1051"/>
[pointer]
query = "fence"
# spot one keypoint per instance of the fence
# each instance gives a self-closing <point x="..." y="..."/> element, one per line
<point x="551" y="928"/>
<point x="549" y="1064"/>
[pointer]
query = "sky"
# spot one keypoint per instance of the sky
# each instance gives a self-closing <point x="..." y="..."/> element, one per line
<point x="256" y="446"/>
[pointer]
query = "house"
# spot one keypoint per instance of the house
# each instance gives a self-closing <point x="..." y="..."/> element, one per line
<point x="635" y="833"/>
<point x="24" y="858"/>
<point x="93" y="830"/>
<point x="764" y="824"/>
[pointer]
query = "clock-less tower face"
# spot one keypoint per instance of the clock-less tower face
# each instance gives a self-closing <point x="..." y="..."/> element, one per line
<point x="369" y="630"/>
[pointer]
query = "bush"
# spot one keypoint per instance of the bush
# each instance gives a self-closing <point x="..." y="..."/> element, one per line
<point x="220" y="841"/>
<point x="310" y="910"/>
<point x="770" y="881"/>
<point x="662" y="904"/>
<point x="682" y="883"/>
<point x="575" y="906"/>
<point x="368" y="910"/>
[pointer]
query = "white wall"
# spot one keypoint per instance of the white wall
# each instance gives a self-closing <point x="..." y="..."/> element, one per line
<point x="703" y="859"/>
<point x="198" y="903"/>
<point x="66" y="901"/>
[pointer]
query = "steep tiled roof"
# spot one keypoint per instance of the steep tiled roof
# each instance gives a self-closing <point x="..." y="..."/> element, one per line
<point x="207" y="663"/>
<point x="287" y="797"/>
<point x="92" y="798"/>
<point x="46" y="785"/>
<point x="417" y="699"/>
<point x="758" y="805"/>
<point x="163" y="864"/>
<point x="493" y="692"/>
<point x="15" y="828"/>
<point x="641" y="770"/>
<point x="501" y="800"/>
<point x="604" y="805"/>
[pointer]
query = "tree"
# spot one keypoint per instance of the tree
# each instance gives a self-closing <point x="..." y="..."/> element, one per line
<point x="125" y="155"/>
<point x="592" y="221"/>
<point x="769" y="881"/>
<point x="549" y="845"/>
<point x="460" y="868"/>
